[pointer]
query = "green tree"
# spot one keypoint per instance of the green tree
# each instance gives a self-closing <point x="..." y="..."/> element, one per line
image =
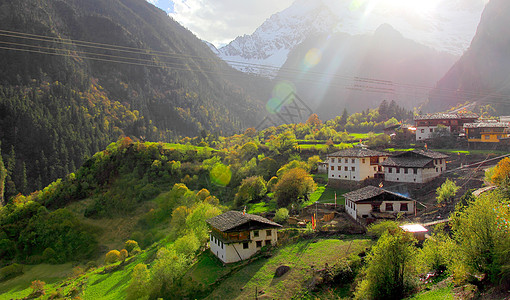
<point x="390" y="267"/>
<point x="501" y="173"/>
<point x="446" y="191"/>
<point x="283" y="143"/>
<point x="293" y="187"/>
<point x="282" y="214"/>
<point x="482" y="233"/>
<point x="251" y="189"/>
<point x="3" y="176"/>
<point x="139" y="286"/>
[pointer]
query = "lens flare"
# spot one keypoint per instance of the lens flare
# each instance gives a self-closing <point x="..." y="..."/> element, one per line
<point x="274" y="106"/>
<point x="220" y="174"/>
<point x="356" y="5"/>
<point x="312" y="57"/>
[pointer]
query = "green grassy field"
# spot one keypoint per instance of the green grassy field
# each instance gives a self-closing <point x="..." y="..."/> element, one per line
<point x="324" y="194"/>
<point x="301" y="257"/>
<point x="18" y="287"/>
<point x="444" y="293"/>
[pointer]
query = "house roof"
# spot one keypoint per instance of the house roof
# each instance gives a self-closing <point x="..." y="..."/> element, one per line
<point x="231" y="220"/>
<point x="414" y="228"/>
<point x="412" y="159"/>
<point x="406" y="162"/>
<point x="357" y="152"/>
<point x="487" y="125"/>
<point x="369" y="192"/>
<point x="440" y="116"/>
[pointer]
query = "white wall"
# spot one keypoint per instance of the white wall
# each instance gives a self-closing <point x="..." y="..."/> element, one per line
<point x="362" y="168"/>
<point x="357" y="210"/>
<point x="423" y="174"/>
<point x="235" y="251"/>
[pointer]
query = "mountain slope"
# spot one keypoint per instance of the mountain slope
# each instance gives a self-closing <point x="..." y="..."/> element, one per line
<point x="449" y="28"/>
<point x="481" y="74"/>
<point x="62" y="99"/>
<point x="358" y="72"/>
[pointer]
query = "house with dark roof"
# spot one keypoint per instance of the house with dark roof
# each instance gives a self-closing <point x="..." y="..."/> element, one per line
<point x="355" y="164"/>
<point x="372" y="202"/>
<point x="487" y="132"/>
<point x="417" y="166"/>
<point x="426" y="125"/>
<point x="237" y="236"/>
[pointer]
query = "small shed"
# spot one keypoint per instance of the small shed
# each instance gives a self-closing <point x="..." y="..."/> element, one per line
<point x="416" y="229"/>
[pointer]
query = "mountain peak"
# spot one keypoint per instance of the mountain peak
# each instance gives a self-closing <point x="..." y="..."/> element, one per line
<point x="387" y="31"/>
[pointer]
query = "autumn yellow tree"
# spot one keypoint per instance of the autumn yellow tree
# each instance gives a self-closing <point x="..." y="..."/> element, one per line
<point x="501" y="172"/>
<point x="294" y="186"/>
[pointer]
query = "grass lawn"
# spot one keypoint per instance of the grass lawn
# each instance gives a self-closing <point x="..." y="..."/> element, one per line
<point x="301" y="257"/>
<point x="19" y="287"/>
<point x="324" y="194"/>
<point x="444" y="293"/>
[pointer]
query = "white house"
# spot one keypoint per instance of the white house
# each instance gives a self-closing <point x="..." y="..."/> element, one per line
<point x="237" y="236"/>
<point x="426" y="125"/>
<point x="417" y="166"/>
<point x="322" y="167"/>
<point x="374" y="202"/>
<point x="355" y="164"/>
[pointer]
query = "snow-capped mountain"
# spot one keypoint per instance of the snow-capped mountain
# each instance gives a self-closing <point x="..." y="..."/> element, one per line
<point x="448" y="26"/>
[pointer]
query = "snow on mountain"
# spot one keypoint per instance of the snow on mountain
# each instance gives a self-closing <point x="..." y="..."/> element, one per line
<point x="448" y="27"/>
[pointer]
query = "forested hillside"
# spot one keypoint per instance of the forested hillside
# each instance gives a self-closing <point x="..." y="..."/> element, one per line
<point x="76" y="75"/>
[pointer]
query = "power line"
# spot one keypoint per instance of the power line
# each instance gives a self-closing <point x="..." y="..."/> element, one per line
<point x="386" y="87"/>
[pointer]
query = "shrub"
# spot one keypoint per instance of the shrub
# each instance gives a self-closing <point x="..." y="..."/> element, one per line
<point x="282" y="214"/>
<point x="37" y="287"/>
<point x="10" y="271"/>
<point x="123" y="254"/>
<point x="129" y="245"/>
<point x="378" y="229"/>
<point x="49" y="255"/>
<point x="112" y="256"/>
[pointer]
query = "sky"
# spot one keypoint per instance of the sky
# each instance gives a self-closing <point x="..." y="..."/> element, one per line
<point x="221" y="21"/>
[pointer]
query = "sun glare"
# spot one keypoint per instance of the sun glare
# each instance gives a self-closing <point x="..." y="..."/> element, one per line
<point x="417" y="6"/>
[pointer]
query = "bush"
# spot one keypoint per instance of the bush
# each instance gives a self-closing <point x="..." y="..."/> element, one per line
<point x="281" y="216"/>
<point x="130" y="245"/>
<point x="49" y="255"/>
<point x="123" y="254"/>
<point x="37" y="287"/>
<point x="112" y="256"/>
<point x="378" y="229"/>
<point x="10" y="271"/>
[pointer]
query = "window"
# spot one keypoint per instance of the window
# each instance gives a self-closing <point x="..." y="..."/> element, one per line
<point x="389" y="206"/>
<point x="405" y="170"/>
<point x="246" y="245"/>
<point x="403" y="206"/>
<point x="437" y="170"/>
<point x="346" y="160"/>
<point x="268" y="232"/>
<point x="431" y="129"/>
<point x="397" y="170"/>
<point x="390" y="170"/>
<point x="339" y="168"/>
<point x="256" y="233"/>
<point x="415" y="171"/>
<point x="332" y="159"/>
<point x="487" y="137"/>
<point x="353" y="169"/>
<point x="363" y="160"/>
<point x="221" y="245"/>
<point x="346" y="169"/>
<point x="259" y="244"/>
<point x="353" y="160"/>
<point x="268" y="242"/>
<point x="423" y="131"/>
<point x="332" y="168"/>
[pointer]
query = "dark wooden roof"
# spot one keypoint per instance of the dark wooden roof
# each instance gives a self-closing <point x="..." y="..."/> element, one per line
<point x="445" y="116"/>
<point x="236" y="221"/>
<point x="413" y="159"/>
<point x="357" y="152"/>
<point x="374" y="194"/>
<point x="406" y="162"/>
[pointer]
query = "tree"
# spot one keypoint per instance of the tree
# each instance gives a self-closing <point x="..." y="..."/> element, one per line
<point x="3" y="176"/>
<point x="282" y="214"/>
<point x="293" y="187"/>
<point x="283" y="143"/>
<point x="501" y="173"/>
<point x="446" y="191"/>
<point x="112" y="256"/>
<point x="390" y="267"/>
<point x="314" y="120"/>
<point x="139" y="286"/>
<point x="482" y="233"/>
<point x="345" y="116"/>
<point x="251" y="189"/>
